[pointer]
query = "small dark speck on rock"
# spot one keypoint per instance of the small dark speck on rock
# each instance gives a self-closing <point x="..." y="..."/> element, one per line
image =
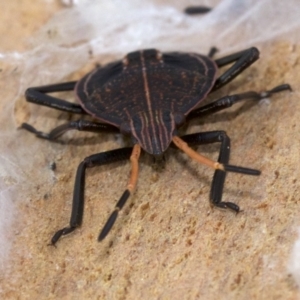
<point x="52" y="166"/>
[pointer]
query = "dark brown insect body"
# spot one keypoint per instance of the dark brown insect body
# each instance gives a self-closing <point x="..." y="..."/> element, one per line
<point x="148" y="95"/>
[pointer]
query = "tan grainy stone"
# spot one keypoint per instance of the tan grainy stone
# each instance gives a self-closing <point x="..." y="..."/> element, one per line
<point x="168" y="243"/>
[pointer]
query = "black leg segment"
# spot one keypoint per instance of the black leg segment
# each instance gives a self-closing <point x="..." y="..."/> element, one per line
<point x="218" y="181"/>
<point x="228" y="101"/>
<point x="78" y="194"/>
<point x="112" y="219"/>
<point x="212" y="52"/>
<point x="242" y="61"/>
<point x="81" y="125"/>
<point x="38" y="95"/>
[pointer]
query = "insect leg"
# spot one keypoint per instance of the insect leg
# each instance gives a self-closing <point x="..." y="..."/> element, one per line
<point x="78" y="194"/>
<point x="221" y="166"/>
<point x="130" y="187"/>
<point x="81" y="125"/>
<point x="38" y="95"/>
<point x="228" y="101"/>
<point x="212" y="52"/>
<point x="242" y="60"/>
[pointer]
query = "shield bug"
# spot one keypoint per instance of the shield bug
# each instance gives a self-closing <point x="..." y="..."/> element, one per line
<point x="148" y="95"/>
